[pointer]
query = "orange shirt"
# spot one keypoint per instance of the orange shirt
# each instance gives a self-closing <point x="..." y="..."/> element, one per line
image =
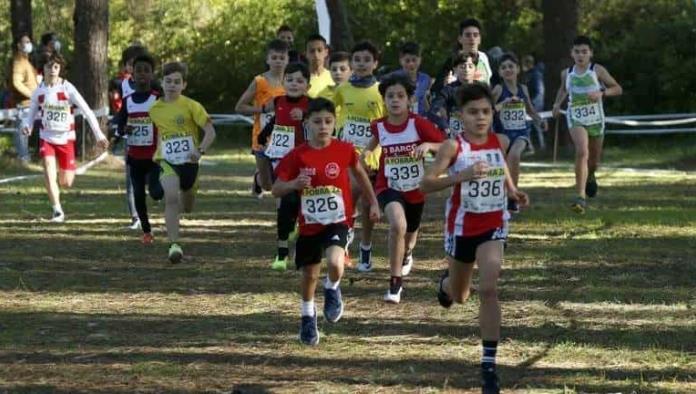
<point x="264" y="93"/>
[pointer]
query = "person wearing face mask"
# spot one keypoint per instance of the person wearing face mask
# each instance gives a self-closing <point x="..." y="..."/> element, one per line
<point x="23" y="83"/>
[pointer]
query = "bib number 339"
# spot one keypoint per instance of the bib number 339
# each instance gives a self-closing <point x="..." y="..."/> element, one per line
<point x="403" y="173"/>
<point x="323" y="205"/>
<point x="178" y="150"/>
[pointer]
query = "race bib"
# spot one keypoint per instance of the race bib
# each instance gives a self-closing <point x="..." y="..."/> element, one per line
<point x="323" y="205"/>
<point x="357" y="131"/>
<point x="403" y="173"/>
<point x="513" y="116"/>
<point x="264" y="119"/>
<point x="56" y="117"/>
<point x="281" y="142"/>
<point x="486" y="194"/>
<point x="177" y="150"/>
<point x="455" y="126"/>
<point x="141" y="132"/>
<point x="586" y="113"/>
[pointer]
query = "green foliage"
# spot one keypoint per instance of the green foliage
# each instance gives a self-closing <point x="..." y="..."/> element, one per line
<point x="647" y="45"/>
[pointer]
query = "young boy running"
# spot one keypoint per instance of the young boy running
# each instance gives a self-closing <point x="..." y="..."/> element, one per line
<point x="261" y="90"/>
<point x="283" y="133"/>
<point x="316" y="52"/>
<point x="410" y="61"/>
<point x="512" y="104"/>
<point x="475" y="229"/>
<point x="444" y="110"/>
<point x="134" y="121"/>
<point x="404" y="138"/>
<point x="54" y="101"/>
<point x="585" y="84"/>
<point x="318" y="170"/>
<point x="360" y="102"/>
<point x="179" y="120"/>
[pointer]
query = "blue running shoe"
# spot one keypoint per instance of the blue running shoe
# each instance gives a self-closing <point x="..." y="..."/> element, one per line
<point x="333" y="305"/>
<point x="309" y="333"/>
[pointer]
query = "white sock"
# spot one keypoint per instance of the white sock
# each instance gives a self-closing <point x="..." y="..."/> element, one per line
<point x="57" y="208"/>
<point x="328" y="284"/>
<point x="365" y="247"/>
<point x="308" y="308"/>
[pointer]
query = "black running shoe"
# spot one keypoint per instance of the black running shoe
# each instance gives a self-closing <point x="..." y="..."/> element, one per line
<point x="444" y="299"/>
<point x="591" y="186"/>
<point x="512" y="206"/>
<point x="489" y="382"/>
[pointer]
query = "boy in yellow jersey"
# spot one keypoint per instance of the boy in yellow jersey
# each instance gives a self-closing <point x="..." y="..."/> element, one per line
<point x="316" y="52"/>
<point x="360" y="103"/>
<point x="179" y="148"/>
<point x="339" y="66"/>
<point x="262" y="89"/>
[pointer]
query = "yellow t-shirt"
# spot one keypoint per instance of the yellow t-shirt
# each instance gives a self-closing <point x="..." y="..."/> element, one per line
<point x="180" y="119"/>
<point x="317" y="83"/>
<point x="357" y="106"/>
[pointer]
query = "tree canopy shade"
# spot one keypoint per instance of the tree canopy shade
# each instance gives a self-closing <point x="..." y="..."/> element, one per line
<point x="646" y="44"/>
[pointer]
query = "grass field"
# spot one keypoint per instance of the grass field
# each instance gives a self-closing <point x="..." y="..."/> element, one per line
<point x="597" y="303"/>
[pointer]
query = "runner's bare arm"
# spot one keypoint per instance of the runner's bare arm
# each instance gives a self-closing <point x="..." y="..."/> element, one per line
<point x="245" y="105"/>
<point x="612" y="87"/>
<point x="433" y="181"/>
<point x="561" y="95"/>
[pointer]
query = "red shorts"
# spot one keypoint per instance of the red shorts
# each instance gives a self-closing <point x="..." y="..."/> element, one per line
<point x="65" y="154"/>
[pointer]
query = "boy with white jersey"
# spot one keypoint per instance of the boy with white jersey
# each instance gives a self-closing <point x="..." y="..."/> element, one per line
<point x="585" y="84"/>
<point x="404" y="138"/>
<point x="319" y="171"/>
<point x="54" y="101"/>
<point x="475" y="228"/>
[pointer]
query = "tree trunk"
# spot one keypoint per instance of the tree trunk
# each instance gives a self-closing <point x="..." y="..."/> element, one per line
<point x="341" y="35"/>
<point x="89" y="68"/>
<point x="560" y="28"/>
<point x="20" y="11"/>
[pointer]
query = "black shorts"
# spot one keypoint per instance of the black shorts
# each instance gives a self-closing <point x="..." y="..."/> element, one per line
<point x="463" y="249"/>
<point x="309" y="249"/>
<point x="187" y="173"/>
<point x="414" y="212"/>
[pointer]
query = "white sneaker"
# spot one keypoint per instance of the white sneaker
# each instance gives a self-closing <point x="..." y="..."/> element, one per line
<point x="350" y="237"/>
<point x="393" y="298"/>
<point x="407" y="265"/>
<point x="364" y="267"/>
<point x="58" y="217"/>
<point x="135" y="224"/>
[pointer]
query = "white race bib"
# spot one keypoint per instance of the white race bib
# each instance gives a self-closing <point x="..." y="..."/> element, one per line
<point x="587" y="113"/>
<point x="357" y="131"/>
<point x="513" y="116"/>
<point x="141" y="132"/>
<point x="486" y="194"/>
<point x="264" y="119"/>
<point x="177" y="150"/>
<point x="403" y="173"/>
<point x="323" y="205"/>
<point x="455" y="126"/>
<point x="56" y="117"/>
<point x="282" y="141"/>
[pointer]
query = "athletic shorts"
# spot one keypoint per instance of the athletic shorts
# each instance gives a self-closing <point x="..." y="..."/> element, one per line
<point x="463" y="249"/>
<point x="309" y="249"/>
<point x="414" y="212"/>
<point x="187" y="173"/>
<point x="514" y="135"/>
<point x="594" y="131"/>
<point x="64" y="154"/>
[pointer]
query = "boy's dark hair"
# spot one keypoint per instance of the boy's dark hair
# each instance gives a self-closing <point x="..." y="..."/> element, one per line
<point x="339" y="56"/>
<point x="410" y="48"/>
<point x="277" y="45"/>
<point x="320" y="104"/>
<point x="132" y="52"/>
<point x="508" y="56"/>
<point x="145" y="58"/>
<point x="461" y="58"/>
<point x="174" y="67"/>
<point x="469" y="22"/>
<point x="582" y="40"/>
<point x="472" y="92"/>
<point x="396" y="79"/>
<point x="283" y="28"/>
<point x="17" y="38"/>
<point x="366" y="46"/>
<point x="316" y="37"/>
<point x="297" y="66"/>
<point x="52" y="57"/>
